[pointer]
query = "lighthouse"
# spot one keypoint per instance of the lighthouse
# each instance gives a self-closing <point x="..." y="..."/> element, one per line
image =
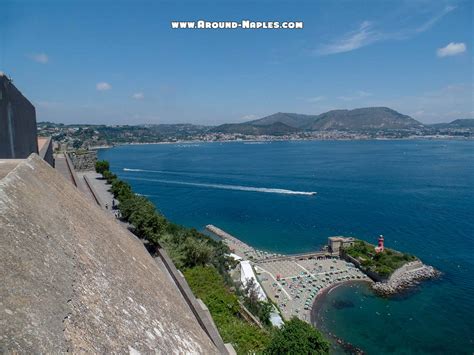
<point x="380" y="248"/>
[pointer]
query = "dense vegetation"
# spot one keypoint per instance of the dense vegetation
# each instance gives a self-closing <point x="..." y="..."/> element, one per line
<point x="382" y="263"/>
<point x="205" y="264"/>
<point x="208" y="285"/>
<point x="262" y="309"/>
<point x="102" y="166"/>
<point x="298" y="337"/>
<point x="187" y="247"/>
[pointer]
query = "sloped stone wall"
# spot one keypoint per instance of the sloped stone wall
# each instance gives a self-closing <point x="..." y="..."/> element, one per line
<point x="84" y="161"/>
<point x="74" y="280"/>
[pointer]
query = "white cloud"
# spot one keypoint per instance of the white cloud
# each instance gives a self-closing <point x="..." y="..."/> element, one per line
<point x="138" y="96"/>
<point x="2" y="73"/>
<point x="359" y="94"/>
<point x="40" y="58"/>
<point x="367" y="34"/>
<point x="316" y="99"/>
<point x="362" y="93"/>
<point x="451" y="49"/>
<point x="103" y="86"/>
<point x="361" y="37"/>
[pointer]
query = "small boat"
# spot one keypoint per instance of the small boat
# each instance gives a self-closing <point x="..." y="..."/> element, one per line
<point x="313" y="193"/>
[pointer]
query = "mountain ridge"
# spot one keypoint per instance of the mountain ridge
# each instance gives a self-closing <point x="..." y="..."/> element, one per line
<point x="367" y="118"/>
<point x="458" y="123"/>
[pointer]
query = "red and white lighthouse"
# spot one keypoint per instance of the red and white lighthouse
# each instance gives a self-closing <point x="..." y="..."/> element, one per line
<point x="380" y="247"/>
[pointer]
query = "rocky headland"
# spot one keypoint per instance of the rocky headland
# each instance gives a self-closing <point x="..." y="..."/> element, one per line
<point x="405" y="277"/>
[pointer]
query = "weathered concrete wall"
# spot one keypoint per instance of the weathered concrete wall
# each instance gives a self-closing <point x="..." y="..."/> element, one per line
<point x="74" y="280"/>
<point x="373" y="275"/>
<point x="46" y="150"/>
<point x="17" y="123"/>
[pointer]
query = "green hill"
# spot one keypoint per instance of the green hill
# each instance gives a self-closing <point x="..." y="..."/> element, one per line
<point x="294" y="120"/>
<point x="273" y="129"/>
<point x="459" y="123"/>
<point x="362" y="119"/>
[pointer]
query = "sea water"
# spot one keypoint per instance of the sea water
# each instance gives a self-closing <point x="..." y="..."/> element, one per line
<point x="418" y="193"/>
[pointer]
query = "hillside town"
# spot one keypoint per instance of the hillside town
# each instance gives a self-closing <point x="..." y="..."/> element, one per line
<point x="75" y="136"/>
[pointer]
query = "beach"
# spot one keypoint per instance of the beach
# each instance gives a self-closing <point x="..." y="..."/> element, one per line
<point x="293" y="282"/>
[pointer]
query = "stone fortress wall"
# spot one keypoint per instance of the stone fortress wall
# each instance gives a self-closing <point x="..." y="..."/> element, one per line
<point x="76" y="280"/>
<point x="83" y="160"/>
<point x="17" y="122"/>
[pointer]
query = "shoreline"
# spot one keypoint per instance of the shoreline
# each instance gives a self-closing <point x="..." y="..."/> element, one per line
<point x="404" y="278"/>
<point x="294" y="282"/>
<point x="321" y="298"/>
<point x="279" y="285"/>
<point x="316" y="318"/>
<point x="426" y="138"/>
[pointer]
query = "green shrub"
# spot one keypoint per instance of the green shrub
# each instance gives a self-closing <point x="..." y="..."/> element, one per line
<point x="298" y="337"/>
<point x="109" y="176"/>
<point x="101" y="166"/>
<point x="208" y="285"/>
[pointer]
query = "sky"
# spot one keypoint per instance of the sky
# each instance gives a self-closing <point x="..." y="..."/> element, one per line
<point x="120" y="62"/>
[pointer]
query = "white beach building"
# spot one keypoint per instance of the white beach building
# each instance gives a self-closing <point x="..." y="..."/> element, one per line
<point x="246" y="273"/>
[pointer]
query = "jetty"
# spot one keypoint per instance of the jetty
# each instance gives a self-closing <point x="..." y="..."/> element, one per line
<point x="405" y="277"/>
<point x="293" y="282"/>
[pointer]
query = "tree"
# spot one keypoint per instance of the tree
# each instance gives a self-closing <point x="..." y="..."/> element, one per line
<point x="197" y="252"/>
<point x="101" y="166"/>
<point x="264" y="312"/>
<point x="252" y="301"/>
<point x="298" y="337"/>
<point x="77" y="144"/>
<point x="109" y="176"/>
<point x="251" y="293"/>
<point x="121" y="190"/>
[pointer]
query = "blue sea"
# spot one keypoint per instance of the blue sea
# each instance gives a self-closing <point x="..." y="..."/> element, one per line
<point x="419" y="194"/>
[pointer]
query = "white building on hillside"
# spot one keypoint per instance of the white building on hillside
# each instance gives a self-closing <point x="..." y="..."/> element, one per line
<point x="246" y="273"/>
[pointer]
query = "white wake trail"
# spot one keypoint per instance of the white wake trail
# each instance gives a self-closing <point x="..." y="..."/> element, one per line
<point x="231" y="187"/>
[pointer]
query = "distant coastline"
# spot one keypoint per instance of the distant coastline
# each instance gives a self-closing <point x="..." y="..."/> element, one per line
<point x="275" y="139"/>
<point x="370" y="123"/>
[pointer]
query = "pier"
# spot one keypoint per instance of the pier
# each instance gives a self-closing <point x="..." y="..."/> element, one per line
<point x="293" y="282"/>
